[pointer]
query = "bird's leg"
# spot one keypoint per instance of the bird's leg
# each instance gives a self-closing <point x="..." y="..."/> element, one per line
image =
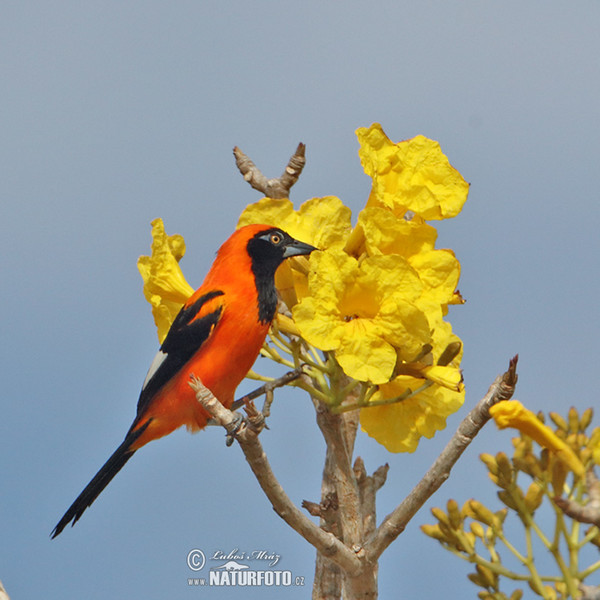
<point x="239" y="421"/>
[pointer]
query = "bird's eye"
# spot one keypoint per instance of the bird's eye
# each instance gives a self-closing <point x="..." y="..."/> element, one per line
<point x="276" y="238"/>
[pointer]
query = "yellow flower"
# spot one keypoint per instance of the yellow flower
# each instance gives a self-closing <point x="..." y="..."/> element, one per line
<point x="594" y="444"/>
<point x="165" y="286"/>
<point x="364" y="311"/>
<point x="439" y="271"/>
<point x="400" y="426"/>
<point x="322" y="222"/>
<point x="379" y="231"/>
<point x="413" y="175"/>
<point x="436" y="382"/>
<point x="511" y="413"/>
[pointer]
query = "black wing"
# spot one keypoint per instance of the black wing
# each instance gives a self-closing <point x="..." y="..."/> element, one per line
<point x="184" y="339"/>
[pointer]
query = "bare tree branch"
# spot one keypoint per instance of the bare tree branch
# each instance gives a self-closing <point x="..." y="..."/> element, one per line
<point x="272" y="188"/>
<point x="246" y="434"/>
<point x="333" y="427"/>
<point x="590" y="513"/>
<point x="368" y="486"/>
<point x="268" y="387"/>
<point x="395" y="523"/>
<point x="327" y="584"/>
<point x="339" y="431"/>
<point x="3" y="594"/>
<point x="589" y="592"/>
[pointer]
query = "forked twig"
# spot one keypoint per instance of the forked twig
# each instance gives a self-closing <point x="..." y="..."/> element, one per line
<point x="272" y="188"/>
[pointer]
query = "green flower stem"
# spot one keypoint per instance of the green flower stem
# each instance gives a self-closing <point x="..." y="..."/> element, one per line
<point x="557" y="531"/>
<point x="407" y="394"/>
<point x="281" y="343"/>
<point x="346" y="390"/>
<point x="511" y="548"/>
<point x="527" y="517"/>
<point x="529" y="525"/>
<point x="271" y="353"/>
<point x="569" y="572"/>
<point x="302" y="358"/>
<point x="492" y="550"/>
<point x="571" y="539"/>
<point x="258" y="377"/>
<point x="316" y="373"/>
<point x="560" y="528"/>
<point x="366" y="391"/>
<point x="466" y="542"/>
<point x="587" y="572"/>
<point x="316" y="356"/>
<point x="294" y="349"/>
<point x="589" y="536"/>
<point x="529" y="563"/>
<point x="314" y="392"/>
<point x="496" y="567"/>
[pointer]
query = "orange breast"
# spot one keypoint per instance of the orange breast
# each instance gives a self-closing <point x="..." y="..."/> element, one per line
<point x="221" y="364"/>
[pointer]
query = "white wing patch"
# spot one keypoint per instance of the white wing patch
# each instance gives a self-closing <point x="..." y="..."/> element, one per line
<point x="158" y="360"/>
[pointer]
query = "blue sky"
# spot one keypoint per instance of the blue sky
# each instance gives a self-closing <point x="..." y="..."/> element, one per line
<point x="114" y="113"/>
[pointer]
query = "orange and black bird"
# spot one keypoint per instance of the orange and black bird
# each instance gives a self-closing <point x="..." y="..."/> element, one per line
<point x="216" y="336"/>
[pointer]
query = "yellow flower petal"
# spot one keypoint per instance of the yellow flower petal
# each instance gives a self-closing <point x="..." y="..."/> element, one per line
<point x="331" y="273"/>
<point x="165" y="286"/>
<point x="443" y="340"/>
<point x="363" y="311"/>
<point x="160" y="271"/>
<point x="379" y="231"/>
<point x="269" y="211"/>
<point x="330" y="221"/>
<point x="319" y="322"/>
<point x="449" y="377"/>
<point x="389" y="275"/>
<point x="363" y="354"/>
<point x="322" y="222"/>
<point x="413" y="175"/>
<point x="285" y="324"/>
<point x="400" y="426"/>
<point x="439" y="271"/>
<point x="511" y="413"/>
<point x="405" y="326"/>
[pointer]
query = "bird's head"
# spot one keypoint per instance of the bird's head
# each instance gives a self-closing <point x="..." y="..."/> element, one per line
<point x="268" y="247"/>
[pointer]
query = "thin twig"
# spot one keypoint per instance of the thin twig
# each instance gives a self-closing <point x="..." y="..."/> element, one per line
<point x="368" y="486"/>
<point x="590" y="513"/>
<point x="589" y="592"/>
<point x="268" y="387"/>
<point x="247" y="437"/>
<point x="3" y="594"/>
<point x="395" y="523"/>
<point x="272" y="188"/>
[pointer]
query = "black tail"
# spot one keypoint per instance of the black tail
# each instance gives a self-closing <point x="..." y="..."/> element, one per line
<point x="102" y="478"/>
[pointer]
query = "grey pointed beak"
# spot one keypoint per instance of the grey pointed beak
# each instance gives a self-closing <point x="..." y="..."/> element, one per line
<point x="296" y="248"/>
